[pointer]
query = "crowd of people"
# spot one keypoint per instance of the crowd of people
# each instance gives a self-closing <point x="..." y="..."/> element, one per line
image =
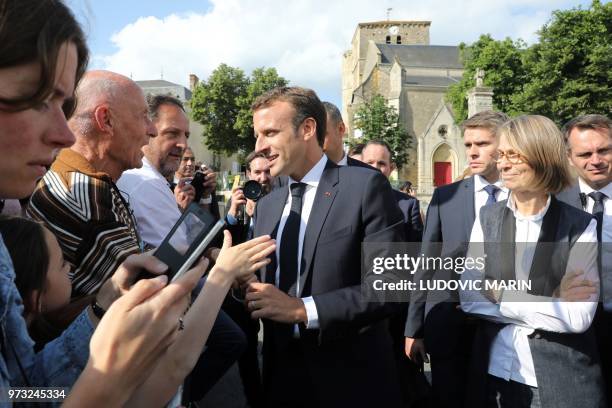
<point x="95" y="175"/>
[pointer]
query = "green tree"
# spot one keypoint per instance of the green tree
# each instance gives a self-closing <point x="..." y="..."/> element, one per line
<point x="223" y="106"/>
<point x="261" y="81"/>
<point x="504" y="71"/>
<point x="379" y="121"/>
<point x="214" y="104"/>
<point x="571" y="65"/>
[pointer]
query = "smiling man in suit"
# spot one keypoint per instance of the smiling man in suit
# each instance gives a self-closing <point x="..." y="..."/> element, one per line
<point x="325" y="344"/>
<point x="434" y="322"/>
<point x="589" y="149"/>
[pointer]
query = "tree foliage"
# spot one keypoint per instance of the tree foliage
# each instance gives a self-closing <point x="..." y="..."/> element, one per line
<point x="379" y="121"/>
<point x="222" y="104"/>
<point x="564" y="74"/>
<point x="571" y="65"/>
<point x="503" y="66"/>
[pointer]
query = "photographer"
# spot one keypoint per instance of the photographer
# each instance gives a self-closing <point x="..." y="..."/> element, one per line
<point x="241" y="208"/>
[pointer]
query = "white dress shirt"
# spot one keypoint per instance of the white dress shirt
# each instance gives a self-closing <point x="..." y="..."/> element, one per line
<point x="606" y="238"/>
<point x="311" y="179"/>
<point x="343" y="161"/>
<point x="510" y="356"/>
<point x="149" y="196"/>
<point x="481" y="196"/>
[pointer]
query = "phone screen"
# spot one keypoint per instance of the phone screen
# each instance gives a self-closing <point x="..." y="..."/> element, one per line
<point x="187" y="232"/>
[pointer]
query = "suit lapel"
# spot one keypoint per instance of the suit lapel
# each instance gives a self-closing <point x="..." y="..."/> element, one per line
<point x="571" y="196"/>
<point x="269" y="213"/>
<point x="324" y="198"/>
<point x="467" y="200"/>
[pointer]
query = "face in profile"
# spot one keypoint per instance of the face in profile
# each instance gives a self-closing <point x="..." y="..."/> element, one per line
<point x="172" y="132"/>
<point x="481" y="149"/>
<point x="30" y="139"/>
<point x="590" y="155"/>
<point x="277" y="138"/>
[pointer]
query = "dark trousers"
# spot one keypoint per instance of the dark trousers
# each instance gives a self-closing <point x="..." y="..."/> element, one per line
<point x="414" y="386"/>
<point x="603" y="334"/>
<point x="248" y="364"/>
<point x="511" y="394"/>
<point x="224" y="346"/>
<point x="287" y="382"/>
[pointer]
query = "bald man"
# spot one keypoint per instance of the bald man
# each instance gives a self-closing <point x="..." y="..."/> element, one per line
<point x="78" y="200"/>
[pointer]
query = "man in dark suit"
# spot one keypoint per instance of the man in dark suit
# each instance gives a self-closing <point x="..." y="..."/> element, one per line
<point x="434" y="323"/>
<point x="377" y="154"/>
<point x="589" y="147"/>
<point x="326" y="343"/>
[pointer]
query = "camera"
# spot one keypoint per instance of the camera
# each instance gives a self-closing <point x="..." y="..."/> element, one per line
<point x="253" y="190"/>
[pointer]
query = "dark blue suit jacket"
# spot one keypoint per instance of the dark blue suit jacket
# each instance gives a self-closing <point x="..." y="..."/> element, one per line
<point x="350" y="355"/>
<point x="448" y="225"/>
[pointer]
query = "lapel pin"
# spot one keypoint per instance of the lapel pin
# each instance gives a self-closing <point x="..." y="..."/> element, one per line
<point x="327" y="194"/>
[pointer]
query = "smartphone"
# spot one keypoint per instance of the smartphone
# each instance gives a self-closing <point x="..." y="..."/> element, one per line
<point x="187" y="240"/>
<point x="198" y="184"/>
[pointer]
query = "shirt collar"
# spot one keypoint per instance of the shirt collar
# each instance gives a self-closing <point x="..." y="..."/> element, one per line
<point x="68" y="160"/>
<point x="480" y="183"/>
<point x="586" y="189"/>
<point x="536" y="217"/>
<point x="146" y="165"/>
<point x="314" y="174"/>
<point x="343" y="161"/>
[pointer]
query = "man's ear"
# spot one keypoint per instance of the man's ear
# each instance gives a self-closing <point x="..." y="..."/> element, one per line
<point x="309" y="127"/>
<point x="341" y="129"/>
<point x="102" y="118"/>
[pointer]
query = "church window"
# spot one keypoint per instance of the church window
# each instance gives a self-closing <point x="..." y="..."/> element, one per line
<point x="442" y="131"/>
<point x="399" y="39"/>
<point x="388" y="39"/>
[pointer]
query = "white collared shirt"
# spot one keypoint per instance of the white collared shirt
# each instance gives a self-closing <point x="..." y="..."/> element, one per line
<point x="343" y="161"/>
<point x="311" y="179"/>
<point x="481" y="196"/>
<point x="510" y="356"/>
<point x="150" y="198"/>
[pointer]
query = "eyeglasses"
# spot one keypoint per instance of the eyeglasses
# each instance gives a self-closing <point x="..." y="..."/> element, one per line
<point x="512" y="157"/>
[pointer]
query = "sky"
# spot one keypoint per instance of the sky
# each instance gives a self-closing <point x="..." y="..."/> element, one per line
<point x="303" y="39"/>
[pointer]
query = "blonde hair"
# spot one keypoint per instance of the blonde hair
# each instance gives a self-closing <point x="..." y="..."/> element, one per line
<point x="541" y="142"/>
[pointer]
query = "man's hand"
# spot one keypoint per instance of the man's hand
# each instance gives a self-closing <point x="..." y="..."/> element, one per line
<point x="575" y="288"/>
<point x="268" y="302"/>
<point x="249" y="208"/>
<point x="210" y="182"/>
<point x="184" y="194"/>
<point x="238" y="199"/>
<point x="415" y="350"/>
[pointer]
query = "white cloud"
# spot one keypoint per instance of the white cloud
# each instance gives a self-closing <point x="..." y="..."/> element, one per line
<point x="303" y="39"/>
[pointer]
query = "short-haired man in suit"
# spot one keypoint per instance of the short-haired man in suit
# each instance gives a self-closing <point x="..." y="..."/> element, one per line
<point x="325" y="343"/>
<point x="334" y="134"/>
<point x="589" y="149"/>
<point x="434" y="322"/>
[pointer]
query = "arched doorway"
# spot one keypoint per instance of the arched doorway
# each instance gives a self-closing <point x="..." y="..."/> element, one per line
<point x="444" y="164"/>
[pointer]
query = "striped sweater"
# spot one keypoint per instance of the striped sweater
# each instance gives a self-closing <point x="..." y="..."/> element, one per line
<point x="92" y="222"/>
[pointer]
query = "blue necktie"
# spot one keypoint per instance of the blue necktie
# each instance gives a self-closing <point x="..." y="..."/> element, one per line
<point x="491" y="190"/>
<point x="598" y="210"/>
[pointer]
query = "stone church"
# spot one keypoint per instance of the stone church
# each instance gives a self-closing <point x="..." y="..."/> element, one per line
<point x="394" y="59"/>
